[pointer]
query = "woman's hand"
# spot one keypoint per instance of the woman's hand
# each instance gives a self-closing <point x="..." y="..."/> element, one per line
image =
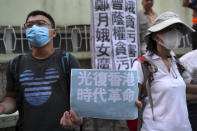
<point x="139" y="104"/>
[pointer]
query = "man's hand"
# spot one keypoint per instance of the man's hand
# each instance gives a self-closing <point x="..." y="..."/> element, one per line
<point x="70" y="120"/>
<point x="8" y="105"/>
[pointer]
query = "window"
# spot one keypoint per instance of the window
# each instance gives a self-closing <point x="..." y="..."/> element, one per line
<point x="71" y="38"/>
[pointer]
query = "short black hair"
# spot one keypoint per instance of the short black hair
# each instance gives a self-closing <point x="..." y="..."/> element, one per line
<point x="40" y="12"/>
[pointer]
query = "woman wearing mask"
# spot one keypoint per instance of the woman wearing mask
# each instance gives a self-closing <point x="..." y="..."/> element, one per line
<point x="167" y="88"/>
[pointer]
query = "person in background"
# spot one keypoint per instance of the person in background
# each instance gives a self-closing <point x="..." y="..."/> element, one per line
<point x="192" y="102"/>
<point x="36" y="85"/>
<point x="192" y="98"/>
<point x="167" y="88"/>
<point x="192" y="4"/>
<point x="146" y="16"/>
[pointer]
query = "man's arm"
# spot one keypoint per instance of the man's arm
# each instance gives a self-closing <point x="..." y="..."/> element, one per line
<point x="191" y="89"/>
<point x="8" y="105"/>
<point x="191" y="97"/>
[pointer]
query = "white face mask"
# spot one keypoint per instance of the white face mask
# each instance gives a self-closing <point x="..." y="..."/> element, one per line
<point x="171" y="39"/>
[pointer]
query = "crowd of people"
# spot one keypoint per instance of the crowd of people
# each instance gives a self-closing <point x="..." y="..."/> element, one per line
<point x="164" y="108"/>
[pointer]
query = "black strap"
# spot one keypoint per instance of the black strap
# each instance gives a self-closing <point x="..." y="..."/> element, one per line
<point x="148" y="68"/>
<point x="65" y="60"/>
<point x="143" y="94"/>
<point x="181" y="68"/>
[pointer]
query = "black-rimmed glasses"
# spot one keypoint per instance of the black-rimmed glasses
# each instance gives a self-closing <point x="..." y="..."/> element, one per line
<point x="36" y="22"/>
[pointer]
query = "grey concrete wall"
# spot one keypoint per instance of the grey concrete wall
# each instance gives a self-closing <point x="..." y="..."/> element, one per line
<point x="70" y="12"/>
<point x="65" y="12"/>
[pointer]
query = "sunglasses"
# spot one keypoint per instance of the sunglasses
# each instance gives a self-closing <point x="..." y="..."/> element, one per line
<point x="36" y="22"/>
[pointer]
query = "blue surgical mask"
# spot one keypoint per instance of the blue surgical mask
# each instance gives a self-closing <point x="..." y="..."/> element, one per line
<point x="38" y="36"/>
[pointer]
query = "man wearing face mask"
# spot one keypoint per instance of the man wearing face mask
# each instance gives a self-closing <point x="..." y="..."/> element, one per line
<point x="167" y="108"/>
<point x="37" y="86"/>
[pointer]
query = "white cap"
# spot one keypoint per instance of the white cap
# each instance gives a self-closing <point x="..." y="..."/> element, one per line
<point x="165" y="20"/>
